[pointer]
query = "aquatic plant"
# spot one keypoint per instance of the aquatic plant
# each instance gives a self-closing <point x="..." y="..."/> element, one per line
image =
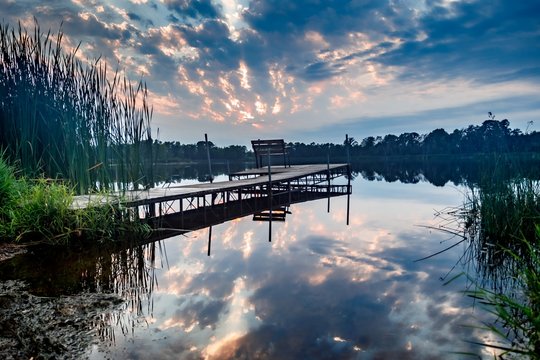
<point x="517" y="313"/>
<point x="502" y="222"/>
<point x="500" y="225"/>
<point x="66" y="118"/>
<point x="496" y="217"/>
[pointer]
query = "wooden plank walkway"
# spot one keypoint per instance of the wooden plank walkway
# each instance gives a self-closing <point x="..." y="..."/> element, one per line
<point x="248" y="179"/>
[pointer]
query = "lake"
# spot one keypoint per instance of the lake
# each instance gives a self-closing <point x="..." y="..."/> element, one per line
<point x="320" y="289"/>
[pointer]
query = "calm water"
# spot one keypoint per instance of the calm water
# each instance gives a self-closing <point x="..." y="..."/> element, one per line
<point x="319" y="290"/>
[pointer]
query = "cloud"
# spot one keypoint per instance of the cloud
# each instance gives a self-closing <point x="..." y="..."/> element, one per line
<point x="485" y="41"/>
<point x="424" y="121"/>
<point x="334" y="18"/>
<point x="88" y="24"/>
<point x="217" y="52"/>
<point x="320" y="71"/>
<point x="193" y="8"/>
<point x="267" y="62"/>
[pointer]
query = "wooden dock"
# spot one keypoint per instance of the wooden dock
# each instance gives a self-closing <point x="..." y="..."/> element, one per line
<point x="253" y="183"/>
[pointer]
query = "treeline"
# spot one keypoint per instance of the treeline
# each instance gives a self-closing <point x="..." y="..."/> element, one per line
<point x="491" y="137"/>
<point x="175" y="152"/>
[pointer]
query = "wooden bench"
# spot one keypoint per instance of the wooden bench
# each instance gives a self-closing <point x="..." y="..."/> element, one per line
<point x="266" y="148"/>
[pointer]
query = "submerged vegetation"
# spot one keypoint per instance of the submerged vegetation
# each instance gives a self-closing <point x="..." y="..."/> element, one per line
<point x="40" y="210"/>
<point x="63" y="118"/>
<point x="92" y="293"/>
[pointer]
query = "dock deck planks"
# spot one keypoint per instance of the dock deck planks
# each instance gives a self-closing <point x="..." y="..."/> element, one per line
<point x="279" y="174"/>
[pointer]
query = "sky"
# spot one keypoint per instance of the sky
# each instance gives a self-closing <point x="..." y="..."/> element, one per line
<point x="309" y="70"/>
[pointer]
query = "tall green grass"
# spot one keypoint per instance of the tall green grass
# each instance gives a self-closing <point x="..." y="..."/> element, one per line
<point x="71" y="119"/>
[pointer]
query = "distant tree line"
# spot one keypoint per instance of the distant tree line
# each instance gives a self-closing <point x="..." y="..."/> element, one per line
<point x="174" y="151"/>
<point x="491" y="137"/>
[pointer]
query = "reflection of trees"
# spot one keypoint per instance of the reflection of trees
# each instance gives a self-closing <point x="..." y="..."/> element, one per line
<point x="440" y="171"/>
<point x="175" y="173"/>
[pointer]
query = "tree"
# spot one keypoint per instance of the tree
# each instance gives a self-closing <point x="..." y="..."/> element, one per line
<point x="436" y="142"/>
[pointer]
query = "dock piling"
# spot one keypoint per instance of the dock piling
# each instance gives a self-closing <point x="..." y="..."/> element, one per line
<point x="208" y="155"/>
<point x="269" y="198"/>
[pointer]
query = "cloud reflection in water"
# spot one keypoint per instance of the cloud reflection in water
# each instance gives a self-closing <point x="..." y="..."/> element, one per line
<point x="320" y="289"/>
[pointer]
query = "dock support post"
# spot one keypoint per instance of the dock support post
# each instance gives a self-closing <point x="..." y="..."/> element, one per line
<point x="328" y="178"/>
<point x="240" y="198"/>
<point x="204" y="208"/>
<point x="348" y="191"/>
<point x="208" y="154"/>
<point x="347" y="148"/>
<point x="209" y="239"/>
<point x="290" y="191"/>
<point x="269" y="199"/>
<point x="225" y="201"/>
<point x="182" y="212"/>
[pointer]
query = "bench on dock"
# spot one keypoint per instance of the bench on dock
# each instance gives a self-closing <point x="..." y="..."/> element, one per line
<point x="268" y="148"/>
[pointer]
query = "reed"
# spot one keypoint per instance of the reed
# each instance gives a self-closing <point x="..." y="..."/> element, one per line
<point x="69" y="119"/>
<point x="500" y="222"/>
<point x="497" y="216"/>
<point x="517" y="312"/>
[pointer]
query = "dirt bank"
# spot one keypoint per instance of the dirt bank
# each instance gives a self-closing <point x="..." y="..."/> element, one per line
<point x="51" y="328"/>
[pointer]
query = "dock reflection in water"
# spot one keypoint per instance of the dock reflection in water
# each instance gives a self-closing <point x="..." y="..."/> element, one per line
<point x="129" y="270"/>
<point x="319" y="289"/>
<point x="262" y="206"/>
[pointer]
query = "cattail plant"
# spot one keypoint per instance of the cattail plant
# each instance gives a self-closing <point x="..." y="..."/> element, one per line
<point x="68" y="119"/>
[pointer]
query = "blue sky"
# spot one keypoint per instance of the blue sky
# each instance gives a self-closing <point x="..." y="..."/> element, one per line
<point x="309" y="70"/>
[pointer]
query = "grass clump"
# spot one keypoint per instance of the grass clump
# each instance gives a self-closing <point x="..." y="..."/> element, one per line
<point x="40" y="210"/>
